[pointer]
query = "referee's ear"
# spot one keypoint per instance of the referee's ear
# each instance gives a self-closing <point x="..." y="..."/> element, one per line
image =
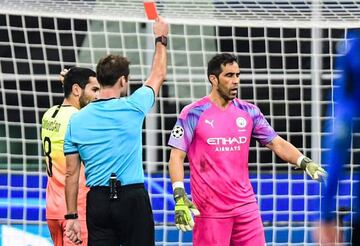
<point x="123" y="81"/>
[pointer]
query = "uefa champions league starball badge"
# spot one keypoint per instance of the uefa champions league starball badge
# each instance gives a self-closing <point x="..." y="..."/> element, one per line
<point x="177" y="132"/>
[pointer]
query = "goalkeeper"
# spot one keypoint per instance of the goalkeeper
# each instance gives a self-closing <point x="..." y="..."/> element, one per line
<point x="215" y="134"/>
<point x="347" y="106"/>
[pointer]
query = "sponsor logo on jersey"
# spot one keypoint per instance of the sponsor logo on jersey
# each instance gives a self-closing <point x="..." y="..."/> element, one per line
<point x="223" y="144"/>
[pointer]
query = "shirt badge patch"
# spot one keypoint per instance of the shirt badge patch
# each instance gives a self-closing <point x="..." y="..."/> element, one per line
<point x="177" y="132"/>
<point x="241" y="122"/>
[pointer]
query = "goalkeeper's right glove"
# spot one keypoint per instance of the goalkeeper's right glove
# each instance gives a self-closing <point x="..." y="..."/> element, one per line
<point x="314" y="170"/>
<point x="183" y="218"/>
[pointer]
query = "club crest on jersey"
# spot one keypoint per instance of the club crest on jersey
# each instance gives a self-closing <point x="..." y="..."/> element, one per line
<point x="241" y="122"/>
<point x="177" y="132"/>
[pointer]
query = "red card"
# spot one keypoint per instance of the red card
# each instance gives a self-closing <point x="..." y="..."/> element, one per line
<point x="150" y="10"/>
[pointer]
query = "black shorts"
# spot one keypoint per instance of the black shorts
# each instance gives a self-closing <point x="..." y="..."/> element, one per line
<point x="127" y="221"/>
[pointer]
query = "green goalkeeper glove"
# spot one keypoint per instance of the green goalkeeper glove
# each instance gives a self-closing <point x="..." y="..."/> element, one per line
<point x="314" y="170"/>
<point x="183" y="208"/>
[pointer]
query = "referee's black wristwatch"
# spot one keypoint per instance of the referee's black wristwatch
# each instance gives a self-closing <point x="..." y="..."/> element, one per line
<point x="162" y="39"/>
<point x="71" y="216"/>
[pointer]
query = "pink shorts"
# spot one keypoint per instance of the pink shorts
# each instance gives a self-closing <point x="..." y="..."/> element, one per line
<point x="57" y="231"/>
<point x="245" y="230"/>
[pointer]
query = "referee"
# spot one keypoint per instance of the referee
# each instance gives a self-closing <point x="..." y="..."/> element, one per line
<point x="107" y="136"/>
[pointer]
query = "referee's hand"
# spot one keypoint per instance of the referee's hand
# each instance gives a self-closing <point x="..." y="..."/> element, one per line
<point x="73" y="231"/>
<point x="161" y="27"/>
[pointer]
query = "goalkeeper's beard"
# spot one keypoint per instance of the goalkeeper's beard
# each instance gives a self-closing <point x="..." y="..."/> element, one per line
<point x="227" y="94"/>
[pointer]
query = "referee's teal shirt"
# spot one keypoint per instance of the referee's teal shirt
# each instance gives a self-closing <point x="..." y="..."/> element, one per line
<point x="107" y="134"/>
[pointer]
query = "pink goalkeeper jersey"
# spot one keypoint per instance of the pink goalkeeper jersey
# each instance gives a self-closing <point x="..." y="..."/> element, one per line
<point x="217" y="144"/>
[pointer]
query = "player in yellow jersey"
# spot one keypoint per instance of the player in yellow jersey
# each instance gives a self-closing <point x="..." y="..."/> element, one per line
<point x="80" y="88"/>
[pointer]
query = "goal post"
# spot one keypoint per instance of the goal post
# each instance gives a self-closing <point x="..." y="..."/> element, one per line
<point x="286" y="52"/>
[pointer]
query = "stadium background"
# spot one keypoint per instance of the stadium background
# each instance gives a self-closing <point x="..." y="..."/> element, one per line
<point x="282" y="72"/>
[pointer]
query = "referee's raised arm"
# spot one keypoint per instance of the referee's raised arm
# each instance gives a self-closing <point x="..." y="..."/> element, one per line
<point x="158" y="69"/>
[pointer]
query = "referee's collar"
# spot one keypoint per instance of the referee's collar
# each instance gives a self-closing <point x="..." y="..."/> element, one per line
<point x="104" y="99"/>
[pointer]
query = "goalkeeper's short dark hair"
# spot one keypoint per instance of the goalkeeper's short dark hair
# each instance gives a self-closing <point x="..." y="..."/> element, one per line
<point x="214" y="65"/>
<point x="77" y="75"/>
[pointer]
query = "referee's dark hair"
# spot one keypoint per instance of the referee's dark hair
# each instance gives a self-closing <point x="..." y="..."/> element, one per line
<point x="110" y="68"/>
<point x="77" y="75"/>
<point x="214" y="65"/>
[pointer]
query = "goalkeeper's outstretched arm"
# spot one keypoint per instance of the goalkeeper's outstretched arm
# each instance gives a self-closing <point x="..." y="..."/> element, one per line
<point x="287" y="152"/>
<point x="183" y="206"/>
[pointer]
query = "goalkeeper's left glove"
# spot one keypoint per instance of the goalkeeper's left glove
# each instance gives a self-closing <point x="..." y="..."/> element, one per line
<point x="314" y="170"/>
<point x="183" y="208"/>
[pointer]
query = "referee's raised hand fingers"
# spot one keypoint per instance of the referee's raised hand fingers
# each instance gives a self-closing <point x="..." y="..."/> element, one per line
<point x="161" y="27"/>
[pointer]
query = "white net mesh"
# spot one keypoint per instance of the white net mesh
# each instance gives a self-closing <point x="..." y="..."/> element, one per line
<point x="279" y="12"/>
<point x="285" y="49"/>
